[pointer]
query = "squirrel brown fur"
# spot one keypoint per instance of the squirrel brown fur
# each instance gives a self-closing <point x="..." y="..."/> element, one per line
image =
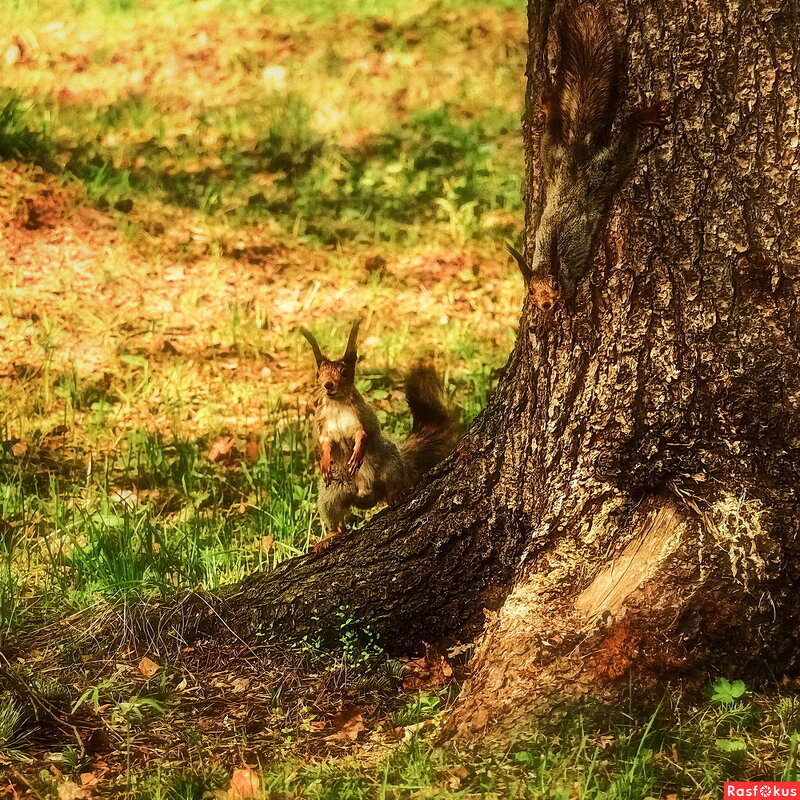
<point x="359" y="466"/>
<point x="583" y="162"/>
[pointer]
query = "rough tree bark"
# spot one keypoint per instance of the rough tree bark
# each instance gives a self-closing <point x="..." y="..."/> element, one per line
<point x="632" y="486"/>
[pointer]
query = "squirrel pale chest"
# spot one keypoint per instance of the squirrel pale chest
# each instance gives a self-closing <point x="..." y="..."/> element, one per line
<point x="339" y="422"/>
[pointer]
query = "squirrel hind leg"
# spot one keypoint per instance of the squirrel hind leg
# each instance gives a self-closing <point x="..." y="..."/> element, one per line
<point x="333" y="509"/>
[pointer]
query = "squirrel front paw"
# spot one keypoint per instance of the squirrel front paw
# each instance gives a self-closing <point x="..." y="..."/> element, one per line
<point x="355" y="462"/>
<point x="655" y="116"/>
<point x="324" y="543"/>
<point x="326" y="469"/>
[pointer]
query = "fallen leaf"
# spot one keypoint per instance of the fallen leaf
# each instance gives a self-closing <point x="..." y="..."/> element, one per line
<point x="349" y="723"/>
<point x="427" y="672"/>
<point x="252" y="451"/>
<point x="126" y="497"/>
<point x="275" y="77"/>
<point x="71" y="791"/>
<point x="374" y="264"/>
<point x="221" y="449"/>
<point x="411" y="730"/>
<point x="148" y="667"/>
<point x="266" y="543"/>
<point x="457" y="777"/>
<point x="12" y="55"/>
<point x="19" y="448"/>
<point x="244" y="784"/>
<point x="174" y="273"/>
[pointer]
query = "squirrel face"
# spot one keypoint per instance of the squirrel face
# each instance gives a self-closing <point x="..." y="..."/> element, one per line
<point x="544" y="294"/>
<point x="335" y="378"/>
<point x="543" y="289"/>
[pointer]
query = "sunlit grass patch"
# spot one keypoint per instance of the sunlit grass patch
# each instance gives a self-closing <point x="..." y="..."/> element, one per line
<point x="394" y="9"/>
<point x="306" y="133"/>
<point x="433" y="169"/>
<point x="216" y="174"/>
<point x="430" y="169"/>
<point x="159" y="516"/>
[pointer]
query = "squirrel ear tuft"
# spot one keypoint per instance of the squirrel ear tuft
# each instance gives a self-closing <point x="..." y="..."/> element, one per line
<point x="523" y="265"/>
<point x="351" y="352"/>
<point x="309" y="337"/>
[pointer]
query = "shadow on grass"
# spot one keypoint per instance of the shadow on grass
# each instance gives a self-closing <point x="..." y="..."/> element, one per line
<point x="436" y="167"/>
<point x="19" y="139"/>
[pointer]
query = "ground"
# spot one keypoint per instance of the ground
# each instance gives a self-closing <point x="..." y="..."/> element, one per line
<point x="182" y="185"/>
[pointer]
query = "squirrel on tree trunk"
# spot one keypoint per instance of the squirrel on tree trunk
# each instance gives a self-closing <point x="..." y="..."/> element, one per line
<point x="359" y="466"/>
<point x="583" y="164"/>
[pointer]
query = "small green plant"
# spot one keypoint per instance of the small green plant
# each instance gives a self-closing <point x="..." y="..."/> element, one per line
<point x="345" y="635"/>
<point x="426" y="705"/>
<point x="358" y="642"/>
<point x="730" y="745"/>
<point x="725" y="692"/>
<point x="135" y="709"/>
<point x="189" y="782"/>
<point x="99" y="694"/>
<point x="787" y="710"/>
<point x="12" y="718"/>
<point x="790" y="771"/>
<point x="74" y="760"/>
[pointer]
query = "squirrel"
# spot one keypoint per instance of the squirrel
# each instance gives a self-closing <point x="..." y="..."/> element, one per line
<point x="583" y="164"/>
<point x="359" y="466"/>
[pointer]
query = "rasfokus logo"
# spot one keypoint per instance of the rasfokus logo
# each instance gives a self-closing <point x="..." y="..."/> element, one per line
<point x="766" y="789"/>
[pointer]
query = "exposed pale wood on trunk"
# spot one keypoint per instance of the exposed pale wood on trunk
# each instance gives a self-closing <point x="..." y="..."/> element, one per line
<point x="607" y="593"/>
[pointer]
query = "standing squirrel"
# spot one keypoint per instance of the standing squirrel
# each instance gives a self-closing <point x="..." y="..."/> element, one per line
<point x="583" y="164"/>
<point x="359" y="466"/>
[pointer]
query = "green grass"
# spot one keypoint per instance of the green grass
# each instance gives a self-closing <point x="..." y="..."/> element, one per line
<point x="436" y="167"/>
<point x="183" y="184"/>
<point x="675" y="751"/>
<point x="460" y="146"/>
<point x="20" y="136"/>
<point x="157" y="515"/>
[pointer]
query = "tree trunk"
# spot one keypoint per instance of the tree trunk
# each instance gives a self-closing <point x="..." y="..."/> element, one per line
<point x="635" y="476"/>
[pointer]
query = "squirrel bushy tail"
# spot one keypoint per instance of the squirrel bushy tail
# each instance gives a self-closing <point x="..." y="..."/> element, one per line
<point x="587" y="80"/>
<point x="432" y="430"/>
